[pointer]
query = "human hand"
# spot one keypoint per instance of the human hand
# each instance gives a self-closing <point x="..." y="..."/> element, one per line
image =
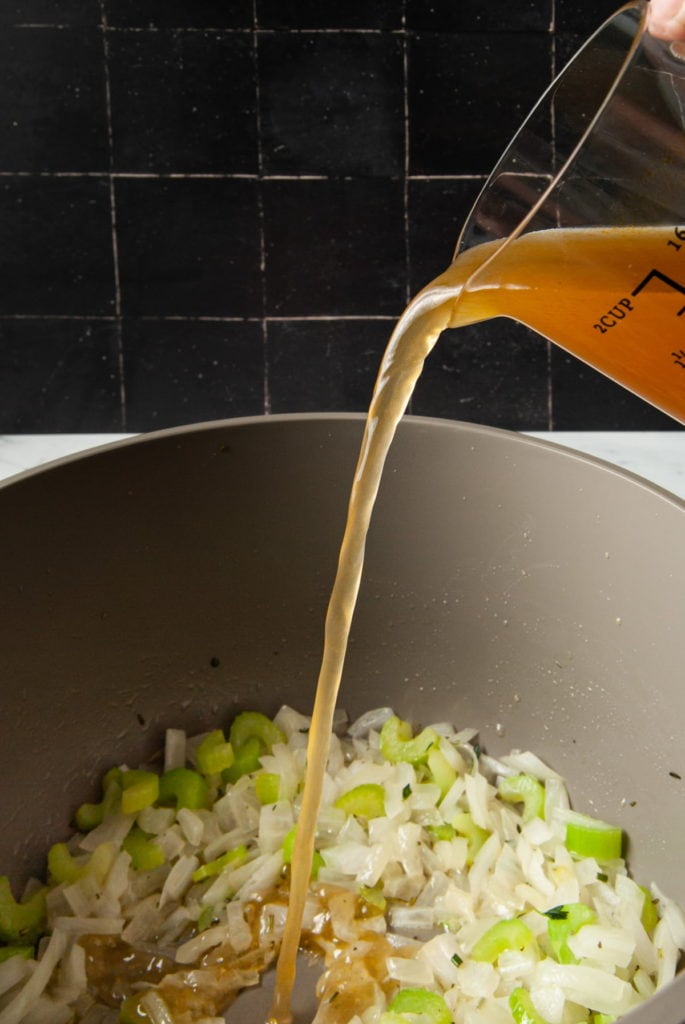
<point x="667" y="19"/>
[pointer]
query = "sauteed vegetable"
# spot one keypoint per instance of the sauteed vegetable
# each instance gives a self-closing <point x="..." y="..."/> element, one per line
<point x="446" y="886"/>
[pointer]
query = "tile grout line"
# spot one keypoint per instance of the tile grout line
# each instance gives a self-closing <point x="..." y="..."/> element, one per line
<point x="163" y="318"/>
<point x="113" y="214"/>
<point x="405" y="176"/>
<point x="266" y="381"/>
<point x="553" y="53"/>
<point x="405" y="182"/>
<point x="215" y="176"/>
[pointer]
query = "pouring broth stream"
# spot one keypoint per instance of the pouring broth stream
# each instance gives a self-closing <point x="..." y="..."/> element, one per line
<point x="582" y="303"/>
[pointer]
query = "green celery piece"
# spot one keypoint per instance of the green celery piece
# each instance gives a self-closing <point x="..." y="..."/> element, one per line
<point x="524" y="789"/>
<point x="650" y="914"/>
<point x="522" y="1009"/>
<point x="254" y="725"/>
<point x="475" y="836"/>
<point x="131" y="1012"/>
<point x="89" y="816"/>
<point x="443" y="832"/>
<point x="145" y="853"/>
<point x="564" y="921"/>
<point x="418" y="1002"/>
<point x="140" y="789"/>
<point x="365" y="801"/>
<point x="245" y="760"/>
<point x="214" y="755"/>
<point x="373" y="896"/>
<point x="399" y="744"/>
<point x="21" y="922"/>
<point x="184" y="788"/>
<point x="232" y="858"/>
<point x="206" y="918"/>
<point x="25" y="952"/>
<point x="509" y="934"/>
<point x="443" y="774"/>
<point x="62" y="867"/>
<point x="603" y="1018"/>
<point x="590" y="837"/>
<point x="289" y="847"/>
<point x="267" y="787"/>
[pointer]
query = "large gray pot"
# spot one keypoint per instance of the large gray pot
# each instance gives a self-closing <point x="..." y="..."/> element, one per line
<point x="510" y="585"/>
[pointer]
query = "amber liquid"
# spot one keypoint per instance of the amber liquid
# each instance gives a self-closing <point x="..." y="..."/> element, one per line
<point x="615" y="298"/>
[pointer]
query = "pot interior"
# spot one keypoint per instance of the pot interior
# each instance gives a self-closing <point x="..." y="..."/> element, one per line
<point x="509" y="585"/>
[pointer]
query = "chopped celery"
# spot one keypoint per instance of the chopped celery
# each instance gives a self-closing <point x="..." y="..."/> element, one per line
<point x="365" y="801"/>
<point x="289" y="846"/>
<point x="590" y="837"/>
<point x="184" y="788"/>
<point x="89" y="816"/>
<point x="252" y="734"/>
<point x="254" y="725"/>
<point x="25" y="952"/>
<point x="650" y="914"/>
<point x="509" y="934"/>
<point x="21" y="922"/>
<point x="526" y="790"/>
<point x="245" y="760"/>
<point x="522" y="1009"/>
<point x="475" y="836"/>
<point x="442" y="832"/>
<point x="443" y="774"/>
<point x="232" y="858"/>
<point x="145" y="853"/>
<point x="603" y="1018"/>
<point x="214" y="754"/>
<point x="563" y="922"/>
<point x="62" y="867"/>
<point x="419" y="1002"/>
<point x="397" y="743"/>
<point x="140" y="789"/>
<point x="206" y="918"/>
<point x="131" y="1012"/>
<point x="373" y="896"/>
<point x="267" y="787"/>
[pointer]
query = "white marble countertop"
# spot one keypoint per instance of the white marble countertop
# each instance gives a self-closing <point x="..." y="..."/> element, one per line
<point x="658" y="456"/>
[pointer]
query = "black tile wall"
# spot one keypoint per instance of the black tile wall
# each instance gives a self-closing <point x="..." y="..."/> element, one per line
<point x="188" y="246"/>
<point x="55" y="247"/>
<point x="348" y="239"/>
<point x="217" y="208"/>
<point x="351" y="87"/>
<point x="53" y="115"/>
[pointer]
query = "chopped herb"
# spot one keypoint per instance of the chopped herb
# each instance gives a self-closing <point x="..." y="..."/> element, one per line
<point x="334" y="996"/>
<point x="557" y="914"/>
<point x="304" y="731"/>
<point x="406" y="792"/>
<point x="601" y="877"/>
<point x="456" y="959"/>
<point x="477" y="749"/>
<point x="674" y="775"/>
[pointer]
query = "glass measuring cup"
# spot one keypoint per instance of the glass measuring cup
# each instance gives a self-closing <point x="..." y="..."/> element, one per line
<point x="579" y="231"/>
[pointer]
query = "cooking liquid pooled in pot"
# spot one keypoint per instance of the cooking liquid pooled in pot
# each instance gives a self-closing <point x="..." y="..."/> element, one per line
<point x="525" y="282"/>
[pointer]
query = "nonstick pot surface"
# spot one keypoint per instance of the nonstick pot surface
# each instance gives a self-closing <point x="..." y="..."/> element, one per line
<point x="510" y="585"/>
